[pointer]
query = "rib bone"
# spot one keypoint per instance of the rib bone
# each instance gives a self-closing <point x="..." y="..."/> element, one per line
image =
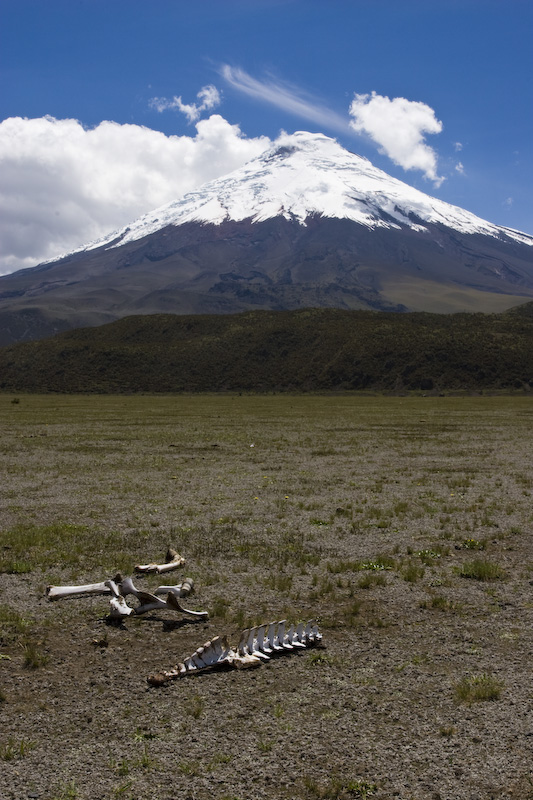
<point x="172" y="561"/>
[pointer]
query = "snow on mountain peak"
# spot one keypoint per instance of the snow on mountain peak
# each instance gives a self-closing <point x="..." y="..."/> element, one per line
<point x="305" y="174"/>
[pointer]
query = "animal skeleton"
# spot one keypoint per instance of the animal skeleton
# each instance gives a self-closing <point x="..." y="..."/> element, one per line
<point x="255" y="646"/>
<point x="119" y="588"/>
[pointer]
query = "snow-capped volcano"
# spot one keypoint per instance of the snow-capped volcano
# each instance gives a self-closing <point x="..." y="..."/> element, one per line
<point x="302" y="175"/>
<point x="305" y="224"/>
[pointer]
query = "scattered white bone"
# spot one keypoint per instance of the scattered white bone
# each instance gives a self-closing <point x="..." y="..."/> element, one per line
<point x="180" y="590"/>
<point x="172" y="561"/>
<point x="56" y="592"/>
<point x="253" y="648"/>
<point x="172" y="602"/>
<point x="119" y="607"/>
<point x="120" y="588"/>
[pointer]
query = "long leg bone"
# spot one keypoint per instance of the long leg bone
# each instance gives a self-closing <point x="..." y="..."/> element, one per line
<point x="172" y="561"/>
<point x="56" y="592"/>
<point x="253" y="647"/>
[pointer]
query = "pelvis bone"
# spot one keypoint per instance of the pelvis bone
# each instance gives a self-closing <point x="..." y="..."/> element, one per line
<point x="255" y="646"/>
<point x="119" y="588"/>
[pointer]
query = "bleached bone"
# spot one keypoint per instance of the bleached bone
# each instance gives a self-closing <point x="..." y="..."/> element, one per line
<point x="172" y="602"/>
<point x="119" y="607"/>
<point x="253" y="648"/>
<point x="180" y="590"/>
<point x="248" y="645"/>
<point x="149" y="602"/>
<point x="172" y="561"/>
<point x="56" y="592"/>
<point x="272" y="637"/>
<point x="120" y="588"/>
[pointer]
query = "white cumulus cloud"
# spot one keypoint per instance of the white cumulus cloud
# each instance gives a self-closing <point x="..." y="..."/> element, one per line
<point x="459" y="167"/>
<point x="398" y="127"/>
<point x="64" y="185"/>
<point x="209" y="98"/>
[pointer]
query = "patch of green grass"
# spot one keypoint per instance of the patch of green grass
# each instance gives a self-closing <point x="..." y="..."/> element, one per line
<point x="320" y="659"/>
<point x="14" y="748"/>
<point x="371" y="580"/>
<point x="33" y="655"/>
<point x="476" y="688"/>
<point x="13" y="626"/>
<point x="481" y="570"/>
<point x="191" y="768"/>
<point x="194" y="706"/>
<point x="339" y="789"/>
<point x="27" y="547"/>
<point x="439" y="603"/>
<point x="66" y="791"/>
<point x="412" y="572"/>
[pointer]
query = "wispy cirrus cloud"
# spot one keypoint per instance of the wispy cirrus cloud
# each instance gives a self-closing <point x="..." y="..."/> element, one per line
<point x="209" y="98"/>
<point x="286" y="96"/>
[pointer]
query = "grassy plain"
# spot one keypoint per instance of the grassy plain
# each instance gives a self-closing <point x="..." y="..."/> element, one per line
<point x="402" y="524"/>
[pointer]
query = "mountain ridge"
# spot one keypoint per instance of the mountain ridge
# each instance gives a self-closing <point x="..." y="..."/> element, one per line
<point x="306" y="350"/>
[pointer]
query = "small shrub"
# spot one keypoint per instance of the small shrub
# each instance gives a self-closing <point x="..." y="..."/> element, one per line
<point x="477" y="688"/>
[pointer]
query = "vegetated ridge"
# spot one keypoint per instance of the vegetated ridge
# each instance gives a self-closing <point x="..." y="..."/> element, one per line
<point x="306" y="224"/>
<point x="308" y="350"/>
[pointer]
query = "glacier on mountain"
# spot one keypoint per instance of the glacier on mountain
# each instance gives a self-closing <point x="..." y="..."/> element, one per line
<point x="302" y="175"/>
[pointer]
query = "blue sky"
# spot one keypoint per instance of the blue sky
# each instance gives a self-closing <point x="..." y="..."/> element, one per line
<point x="179" y="78"/>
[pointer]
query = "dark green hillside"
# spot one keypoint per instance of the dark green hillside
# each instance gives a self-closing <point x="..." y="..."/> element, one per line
<point x="307" y="350"/>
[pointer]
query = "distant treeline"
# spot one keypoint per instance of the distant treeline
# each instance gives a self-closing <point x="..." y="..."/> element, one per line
<point x="301" y="351"/>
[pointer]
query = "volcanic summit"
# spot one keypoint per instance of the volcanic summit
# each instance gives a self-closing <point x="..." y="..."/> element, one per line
<point x="306" y="224"/>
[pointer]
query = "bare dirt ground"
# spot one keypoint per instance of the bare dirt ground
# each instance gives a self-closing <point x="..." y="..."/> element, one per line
<point x="403" y="525"/>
